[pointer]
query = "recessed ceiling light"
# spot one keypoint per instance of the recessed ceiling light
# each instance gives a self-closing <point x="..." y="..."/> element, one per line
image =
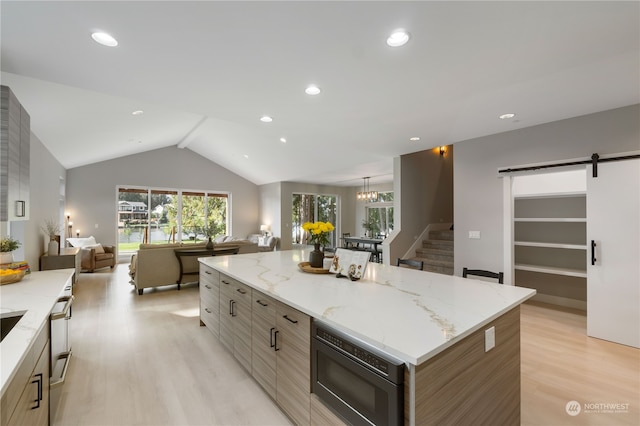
<point x="266" y="119"/>
<point x="104" y="39"/>
<point x="283" y="140"/>
<point x="138" y="112"/>
<point x="415" y="138"/>
<point x="398" y="38"/>
<point x="312" y="89"/>
<point x="505" y="116"/>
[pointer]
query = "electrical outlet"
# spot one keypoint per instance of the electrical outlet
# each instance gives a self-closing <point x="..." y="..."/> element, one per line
<point x="489" y="339"/>
<point x="96" y="226"/>
<point x="474" y="235"/>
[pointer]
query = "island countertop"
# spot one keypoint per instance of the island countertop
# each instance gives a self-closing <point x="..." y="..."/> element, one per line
<point x="412" y="315"/>
<point x="36" y="294"/>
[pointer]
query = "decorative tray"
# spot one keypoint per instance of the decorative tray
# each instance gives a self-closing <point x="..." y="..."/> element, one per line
<point x="305" y="267"/>
<point x="10" y="276"/>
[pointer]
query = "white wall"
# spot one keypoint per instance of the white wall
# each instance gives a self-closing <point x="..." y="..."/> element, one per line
<point x="91" y="189"/>
<point x="478" y="189"/>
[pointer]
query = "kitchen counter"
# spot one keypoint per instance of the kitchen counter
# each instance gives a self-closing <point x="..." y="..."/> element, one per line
<point x="36" y="294"/>
<point x="412" y="315"/>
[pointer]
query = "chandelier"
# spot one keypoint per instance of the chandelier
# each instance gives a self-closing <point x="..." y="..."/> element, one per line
<point x="366" y="194"/>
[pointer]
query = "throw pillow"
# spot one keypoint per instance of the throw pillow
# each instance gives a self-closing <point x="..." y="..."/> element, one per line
<point x="98" y="247"/>
<point x="81" y="242"/>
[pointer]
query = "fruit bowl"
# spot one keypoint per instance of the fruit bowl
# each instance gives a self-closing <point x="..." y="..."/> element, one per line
<point x="10" y="276"/>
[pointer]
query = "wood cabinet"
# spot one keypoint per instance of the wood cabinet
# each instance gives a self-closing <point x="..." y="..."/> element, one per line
<point x="15" y="147"/>
<point x="293" y="362"/>
<point x="235" y="319"/>
<point x="26" y="400"/>
<point x="263" y="341"/>
<point x="210" y="299"/>
<point x="281" y="354"/>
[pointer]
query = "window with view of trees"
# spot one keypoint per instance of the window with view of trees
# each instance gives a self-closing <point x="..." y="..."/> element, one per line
<point x="313" y="208"/>
<point x="379" y="215"/>
<point x="159" y="216"/>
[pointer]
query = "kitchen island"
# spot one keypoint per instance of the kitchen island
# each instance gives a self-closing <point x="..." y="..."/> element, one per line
<point x="434" y="323"/>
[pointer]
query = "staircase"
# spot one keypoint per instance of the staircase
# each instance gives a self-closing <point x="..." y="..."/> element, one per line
<point x="437" y="252"/>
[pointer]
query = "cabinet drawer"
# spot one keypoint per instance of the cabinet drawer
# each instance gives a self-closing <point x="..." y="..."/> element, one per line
<point x="209" y="275"/>
<point x="263" y="306"/>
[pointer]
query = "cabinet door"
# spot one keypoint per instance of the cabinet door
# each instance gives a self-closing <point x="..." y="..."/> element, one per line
<point x="263" y="354"/>
<point x="226" y="319"/>
<point x="242" y="325"/>
<point x="33" y="405"/>
<point x="613" y="279"/>
<point x="293" y="363"/>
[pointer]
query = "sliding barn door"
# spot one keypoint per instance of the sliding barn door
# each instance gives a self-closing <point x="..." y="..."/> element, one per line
<point x="613" y="258"/>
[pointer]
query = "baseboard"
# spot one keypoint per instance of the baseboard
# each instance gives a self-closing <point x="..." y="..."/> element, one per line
<point x="561" y="301"/>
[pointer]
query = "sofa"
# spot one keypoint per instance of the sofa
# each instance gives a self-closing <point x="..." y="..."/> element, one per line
<point x="155" y="265"/>
<point x="265" y="243"/>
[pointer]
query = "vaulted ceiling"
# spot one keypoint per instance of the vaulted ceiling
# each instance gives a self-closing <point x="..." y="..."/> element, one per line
<point x="205" y="72"/>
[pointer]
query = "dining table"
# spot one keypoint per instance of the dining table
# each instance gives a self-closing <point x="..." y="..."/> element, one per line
<point x="364" y="243"/>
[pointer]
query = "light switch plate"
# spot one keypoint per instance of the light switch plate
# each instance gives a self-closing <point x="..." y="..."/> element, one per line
<point x="489" y="339"/>
<point x="474" y="235"/>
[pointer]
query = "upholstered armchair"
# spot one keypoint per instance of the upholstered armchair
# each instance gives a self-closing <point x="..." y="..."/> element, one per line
<point x="94" y="255"/>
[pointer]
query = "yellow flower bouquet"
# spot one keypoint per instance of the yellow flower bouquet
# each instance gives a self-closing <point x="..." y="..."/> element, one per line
<point x="318" y="232"/>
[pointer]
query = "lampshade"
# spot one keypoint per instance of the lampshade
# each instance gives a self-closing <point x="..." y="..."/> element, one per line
<point x="264" y="228"/>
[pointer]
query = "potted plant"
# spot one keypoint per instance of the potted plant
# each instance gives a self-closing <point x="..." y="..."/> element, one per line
<point x="318" y="235"/>
<point x="7" y="246"/>
<point x="52" y="229"/>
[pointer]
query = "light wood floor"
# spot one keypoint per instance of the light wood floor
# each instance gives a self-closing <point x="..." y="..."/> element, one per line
<point x="144" y="360"/>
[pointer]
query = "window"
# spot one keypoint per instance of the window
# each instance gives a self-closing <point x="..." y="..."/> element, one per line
<point x="379" y="215"/>
<point x="161" y="215"/>
<point x="313" y="208"/>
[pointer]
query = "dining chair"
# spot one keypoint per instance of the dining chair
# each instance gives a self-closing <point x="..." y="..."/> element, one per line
<point x="411" y="263"/>
<point x="482" y="273"/>
<point x="346" y="244"/>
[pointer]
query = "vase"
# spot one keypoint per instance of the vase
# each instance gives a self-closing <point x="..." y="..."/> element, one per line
<point x="53" y="248"/>
<point x="316" y="257"/>
<point x="209" y="244"/>
<point x="6" y="257"/>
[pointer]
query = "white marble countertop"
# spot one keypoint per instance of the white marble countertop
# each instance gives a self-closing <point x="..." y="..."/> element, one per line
<point x="36" y="294"/>
<point x="412" y="315"/>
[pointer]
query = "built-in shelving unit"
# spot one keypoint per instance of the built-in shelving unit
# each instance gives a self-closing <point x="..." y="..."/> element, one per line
<point x="550" y="238"/>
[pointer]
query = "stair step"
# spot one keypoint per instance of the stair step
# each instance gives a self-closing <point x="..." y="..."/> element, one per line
<point x="438" y="266"/>
<point x="435" y="254"/>
<point x="444" y="235"/>
<point x="438" y="244"/>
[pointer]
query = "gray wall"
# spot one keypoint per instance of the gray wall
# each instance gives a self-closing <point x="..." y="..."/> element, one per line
<point x="424" y="195"/>
<point x="44" y="196"/>
<point x="92" y="195"/>
<point x="478" y="190"/>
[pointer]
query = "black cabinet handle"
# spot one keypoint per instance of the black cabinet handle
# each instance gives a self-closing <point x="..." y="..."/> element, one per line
<point x="225" y="282"/>
<point x="39" y="382"/>
<point x="207" y="272"/>
<point x="261" y="303"/>
<point x="275" y="343"/>
<point x="593" y="252"/>
<point x="208" y="286"/>
<point x="207" y="310"/>
<point x="289" y="319"/>
<point x="241" y="291"/>
<point x="232" y="305"/>
<point x="271" y="341"/>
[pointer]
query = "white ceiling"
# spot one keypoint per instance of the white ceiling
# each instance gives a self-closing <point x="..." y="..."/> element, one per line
<point x="205" y="72"/>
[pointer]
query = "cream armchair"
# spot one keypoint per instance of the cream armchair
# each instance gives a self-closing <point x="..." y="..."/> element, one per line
<point x="94" y="255"/>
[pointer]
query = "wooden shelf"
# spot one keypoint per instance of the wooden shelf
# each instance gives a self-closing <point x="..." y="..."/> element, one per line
<point x="550" y="219"/>
<point x="552" y="270"/>
<point x="551" y="245"/>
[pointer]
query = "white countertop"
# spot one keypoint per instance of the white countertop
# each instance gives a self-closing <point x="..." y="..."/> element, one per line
<point x="412" y="315"/>
<point x="37" y="294"/>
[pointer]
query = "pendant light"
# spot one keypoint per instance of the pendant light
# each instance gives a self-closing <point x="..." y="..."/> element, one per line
<point x="366" y="194"/>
